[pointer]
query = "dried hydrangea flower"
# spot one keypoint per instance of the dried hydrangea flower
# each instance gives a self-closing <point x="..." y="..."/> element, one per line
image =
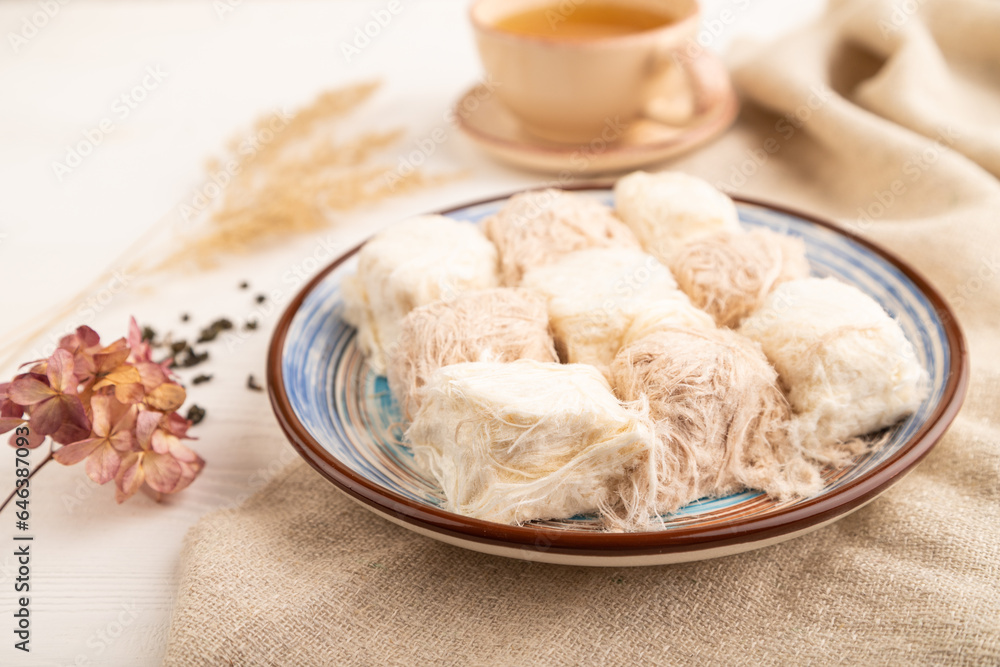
<point x="111" y="406"/>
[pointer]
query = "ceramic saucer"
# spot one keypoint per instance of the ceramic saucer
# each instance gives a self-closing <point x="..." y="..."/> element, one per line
<point x="692" y="105"/>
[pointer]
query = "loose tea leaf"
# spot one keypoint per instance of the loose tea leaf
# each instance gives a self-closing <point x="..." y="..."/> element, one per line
<point x="189" y="358"/>
<point x="212" y="331"/>
<point x="195" y="414"/>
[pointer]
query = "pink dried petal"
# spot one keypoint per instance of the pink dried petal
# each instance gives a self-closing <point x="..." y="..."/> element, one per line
<point x="34" y="439"/>
<point x="191" y="464"/>
<point x="167" y="397"/>
<point x="50" y="415"/>
<point x="167" y="366"/>
<point x="8" y="423"/>
<point x="160" y="442"/>
<point x="176" y="425"/>
<point x="130" y="476"/>
<point x="130" y="393"/>
<point x="112" y="356"/>
<point x="38" y="367"/>
<point x="113" y="422"/>
<point x="84" y="367"/>
<point x="72" y="454"/>
<point x="28" y="390"/>
<point x="141" y="350"/>
<point x="70" y="433"/>
<point x="152" y="375"/>
<point x="103" y="464"/>
<point x="60" y="372"/>
<point x="146" y="425"/>
<point x="100" y="411"/>
<point x="83" y="338"/>
<point x="162" y="471"/>
<point x="10" y="409"/>
<point x="10" y="412"/>
<point x="118" y="375"/>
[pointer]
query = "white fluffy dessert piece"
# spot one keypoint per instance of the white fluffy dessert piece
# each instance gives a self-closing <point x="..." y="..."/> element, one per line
<point x="730" y="274"/>
<point x="846" y="365"/>
<point x="530" y="440"/>
<point x="535" y="228"/>
<point x="501" y="324"/>
<point x="593" y="295"/>
<point x="668" y="208"/>
<point x="409" y="264"/>
<point x="669" y="314"/>
<point x="719" y="413"/>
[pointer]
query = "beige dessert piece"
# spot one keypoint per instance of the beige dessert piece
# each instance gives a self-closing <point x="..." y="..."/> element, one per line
<point x="530" y="440"/>
<point x="675" y="313"/>
<point x="719" y="414"/>
<point x="846" y="364"/>
<point x="535" y="228"/>
<point x="593" y="295"/>
<point x="668" y="209"/>
<point x="729" y="274"/>
<point x="500" y="324"/>
<point x="409" y="264"/>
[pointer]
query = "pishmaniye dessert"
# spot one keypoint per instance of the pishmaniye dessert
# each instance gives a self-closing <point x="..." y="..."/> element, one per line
<point x="578" y="359"/>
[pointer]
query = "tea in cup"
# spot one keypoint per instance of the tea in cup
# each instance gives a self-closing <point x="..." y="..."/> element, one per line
<point x="571" y="70"/>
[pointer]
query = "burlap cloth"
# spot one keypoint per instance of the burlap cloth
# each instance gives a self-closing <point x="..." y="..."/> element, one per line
<point x="885" y="117"/>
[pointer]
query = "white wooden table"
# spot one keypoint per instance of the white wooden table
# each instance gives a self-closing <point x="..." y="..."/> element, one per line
<point x="103" y="577"/>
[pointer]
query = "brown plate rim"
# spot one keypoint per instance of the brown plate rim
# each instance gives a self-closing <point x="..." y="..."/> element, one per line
<point x="679" y="540"/>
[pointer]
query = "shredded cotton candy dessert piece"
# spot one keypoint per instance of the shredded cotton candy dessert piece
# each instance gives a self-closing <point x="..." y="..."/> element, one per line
<point x="409" y="264"/>
<point x="593" y="296"/>
<point x="501" y="324"/>
<point x="534" y="228"/>
<point x="668" y="209"/>
<point x="675" y="313"/>
<point x="719" y="414"/>
<point x="529" y="440"/>
<point x="847" y="366"/>
<point x="730" y="274"/>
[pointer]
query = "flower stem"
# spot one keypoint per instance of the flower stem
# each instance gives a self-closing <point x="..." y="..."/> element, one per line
<point x="31" y="474"/>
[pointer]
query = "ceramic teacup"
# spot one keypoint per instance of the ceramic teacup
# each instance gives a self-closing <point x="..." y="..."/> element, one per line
<point x="573" y="91"/>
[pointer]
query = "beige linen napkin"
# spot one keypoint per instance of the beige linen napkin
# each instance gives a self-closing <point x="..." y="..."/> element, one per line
<point x="885" y="116"/>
